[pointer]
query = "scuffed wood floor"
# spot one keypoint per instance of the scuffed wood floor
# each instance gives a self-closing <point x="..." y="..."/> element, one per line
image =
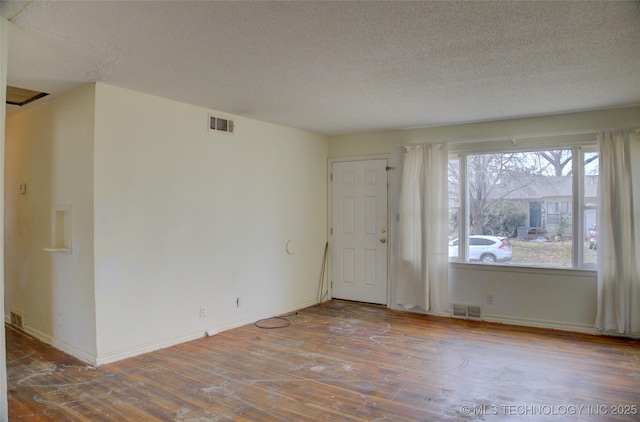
<point x="335" y="362"/>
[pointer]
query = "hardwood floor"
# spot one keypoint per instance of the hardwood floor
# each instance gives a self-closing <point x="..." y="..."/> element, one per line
<point x="339" y="361"/>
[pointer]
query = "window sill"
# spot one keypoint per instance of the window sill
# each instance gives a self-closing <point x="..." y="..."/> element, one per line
<point x="523" y="269"/>
<point x="64" y="250"/>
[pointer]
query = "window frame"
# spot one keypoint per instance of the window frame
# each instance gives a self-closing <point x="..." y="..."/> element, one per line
<point x="579" y="144"/>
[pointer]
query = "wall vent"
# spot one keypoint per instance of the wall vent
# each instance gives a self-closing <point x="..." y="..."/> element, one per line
<point x="474" y="312"/>
<point x="219" y="124"/>
<point x="461" y="310"/>
<point x="17" y="319"/>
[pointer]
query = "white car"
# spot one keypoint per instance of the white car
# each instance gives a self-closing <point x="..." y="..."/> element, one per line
<point x="484" y="249"/>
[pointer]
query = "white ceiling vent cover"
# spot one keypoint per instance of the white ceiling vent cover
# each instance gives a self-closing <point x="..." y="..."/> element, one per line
<point x="218" y="124"/>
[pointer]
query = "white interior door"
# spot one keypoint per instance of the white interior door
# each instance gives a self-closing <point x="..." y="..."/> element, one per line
<point x="359" y="230"/>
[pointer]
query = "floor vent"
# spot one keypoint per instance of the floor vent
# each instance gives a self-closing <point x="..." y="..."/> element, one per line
<point x="219" y="124"/>
<point x="473" y="311"/>
<point x="461" y="310"/>
<point x="17" y="319"/>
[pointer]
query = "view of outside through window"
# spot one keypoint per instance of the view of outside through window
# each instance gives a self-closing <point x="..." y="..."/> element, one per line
<point x="519" y="207"/>
<point x="591" y="171"/>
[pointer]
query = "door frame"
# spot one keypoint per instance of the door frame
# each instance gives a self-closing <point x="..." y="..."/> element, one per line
<point x="330" y="162"/>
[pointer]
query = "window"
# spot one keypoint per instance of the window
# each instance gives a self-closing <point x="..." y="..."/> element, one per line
<point x="589" y="216"/>
<point x="474" y="241"/>
<point x="518" y="207"/>
<point x="454" y="198"/>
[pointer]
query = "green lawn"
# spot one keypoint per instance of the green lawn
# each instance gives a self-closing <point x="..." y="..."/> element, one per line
<point x="547" y="253"/>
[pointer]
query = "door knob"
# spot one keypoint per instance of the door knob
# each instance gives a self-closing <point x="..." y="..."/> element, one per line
<point x="383" y="240"/>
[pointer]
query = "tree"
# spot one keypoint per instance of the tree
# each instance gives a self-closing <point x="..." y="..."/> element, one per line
<point x="559" y="159"/>
<point x="503" y="219"/>
<point x="492" y="178"/>
<point x="493" y="181"/>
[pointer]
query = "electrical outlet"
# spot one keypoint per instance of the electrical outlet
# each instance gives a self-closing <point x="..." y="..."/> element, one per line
<point x="202" y="312"/>
<point x="490" y="299"/>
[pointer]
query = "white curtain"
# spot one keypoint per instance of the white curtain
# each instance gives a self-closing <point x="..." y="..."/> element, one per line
<point x="619" y="231"/>
<point x="422" y="257"/>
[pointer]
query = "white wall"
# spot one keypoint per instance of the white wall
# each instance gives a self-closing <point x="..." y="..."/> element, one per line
<point x="562" y="299"/>
<point x="50" y="149"/>
<point x="4" y="44"/>
<point x="384" y="142"/>
<point x="187" y="218"/>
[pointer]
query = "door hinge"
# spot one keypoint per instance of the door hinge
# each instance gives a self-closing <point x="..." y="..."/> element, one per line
<point x="387" y="168"/>
<point x="331" y="177"/>
<point x="331" y="231"/>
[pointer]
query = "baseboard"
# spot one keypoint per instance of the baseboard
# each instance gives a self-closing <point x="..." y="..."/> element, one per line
<point x="282" y="311"/>
<point x="58" y="344"/>
<point x="168" y="342"/>
<point x="531" y="322"/>
<point x="82" y="355"/>
<point x="540" y="323"/>
<point x="146" y="348"/>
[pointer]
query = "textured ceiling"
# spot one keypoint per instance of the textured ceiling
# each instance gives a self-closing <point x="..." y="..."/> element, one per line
<point x="338" y="67"/>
